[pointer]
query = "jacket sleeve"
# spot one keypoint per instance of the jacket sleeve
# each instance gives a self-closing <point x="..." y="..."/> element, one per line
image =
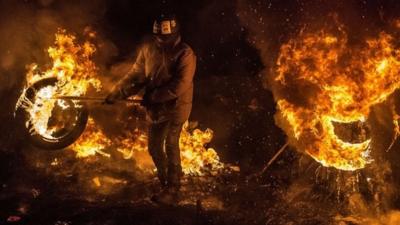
<point x="181" y="82"/>
<point x="135" y="79"/>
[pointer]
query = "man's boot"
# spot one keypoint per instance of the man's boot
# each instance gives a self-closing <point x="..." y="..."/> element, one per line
<point x="162" y="177"/>
<point x="170" y="195"/>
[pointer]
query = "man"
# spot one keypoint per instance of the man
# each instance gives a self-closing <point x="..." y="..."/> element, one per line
<point x="164" y="68"/>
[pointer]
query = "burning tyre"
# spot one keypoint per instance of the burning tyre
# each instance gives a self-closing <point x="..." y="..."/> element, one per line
<point x="325" y="88"/>
<point x="52" y="123"/>
<point x="56" y="123"/>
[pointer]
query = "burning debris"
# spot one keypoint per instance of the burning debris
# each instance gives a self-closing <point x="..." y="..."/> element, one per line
<point x="322" y="83"/>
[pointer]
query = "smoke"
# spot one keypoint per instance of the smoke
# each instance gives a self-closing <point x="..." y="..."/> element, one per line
<point x="27" y="29"/>
<point x="269" y="24"/>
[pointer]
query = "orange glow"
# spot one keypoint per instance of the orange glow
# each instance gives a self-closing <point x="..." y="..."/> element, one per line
<point x="334" y="83"/>
<point x="196" y="158"/>
<point x="92" y="141"/>
<point x="76" y="72"/>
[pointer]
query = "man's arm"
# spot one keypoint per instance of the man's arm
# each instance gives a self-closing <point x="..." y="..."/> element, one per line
<point x="135" y="79"/>
<point x="131" y="83"/>
<point x="181" y="82"/>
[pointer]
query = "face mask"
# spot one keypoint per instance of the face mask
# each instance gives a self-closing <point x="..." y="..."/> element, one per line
<point x="166" y="40"/>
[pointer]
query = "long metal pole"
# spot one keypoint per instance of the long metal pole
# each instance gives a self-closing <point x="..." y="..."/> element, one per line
<point x="269" y="162"/>
<point x="100" y="99"/>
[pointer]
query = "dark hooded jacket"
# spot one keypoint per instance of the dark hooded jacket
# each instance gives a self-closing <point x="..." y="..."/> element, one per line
<point x="166" y="73"/>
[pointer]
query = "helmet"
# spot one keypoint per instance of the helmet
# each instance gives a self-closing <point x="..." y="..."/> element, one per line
<point x="166" y="25"/>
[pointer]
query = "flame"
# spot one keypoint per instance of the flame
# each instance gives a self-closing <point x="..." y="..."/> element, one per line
<point x="92" y="141"/>
<point x="75" y="73"/>
<point x="196" y="157"/>
<point x="334" y="82"/>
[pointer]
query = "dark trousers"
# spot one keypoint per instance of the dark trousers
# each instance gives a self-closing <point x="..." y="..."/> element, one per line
<point x="165" y="135"/>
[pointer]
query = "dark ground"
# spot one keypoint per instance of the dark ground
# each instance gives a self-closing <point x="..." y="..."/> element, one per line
<point x="66" y="194"/>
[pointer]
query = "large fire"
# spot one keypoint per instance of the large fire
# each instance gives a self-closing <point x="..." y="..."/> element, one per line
<point x="321" y="81"/>
<point x="75" y="73"/>
<point x="196" y="158"/>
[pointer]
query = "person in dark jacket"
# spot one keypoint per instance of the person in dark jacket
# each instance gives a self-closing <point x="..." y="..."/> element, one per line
<point x="164" y="68"/>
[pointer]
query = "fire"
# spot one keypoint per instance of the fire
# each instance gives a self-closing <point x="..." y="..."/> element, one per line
<point x="92" y="141"/>
<point x="75" y="72"/>
<point x="321" y="80"/>
<point x="196" y="157"/>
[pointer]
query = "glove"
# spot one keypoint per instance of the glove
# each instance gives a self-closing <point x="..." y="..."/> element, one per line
<point x="113" y="97"/>
<point x="146" y="101"/>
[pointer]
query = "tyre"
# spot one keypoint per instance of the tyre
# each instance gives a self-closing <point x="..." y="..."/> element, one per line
<point x="66" y="124"/>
